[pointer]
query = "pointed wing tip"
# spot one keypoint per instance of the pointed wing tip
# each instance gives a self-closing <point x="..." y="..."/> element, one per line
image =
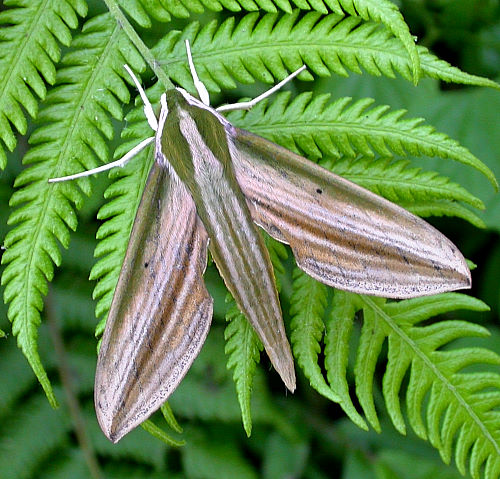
<point x="287" y="374"/>
<point x="462" y="273"/>
<point x="114" y="421"/>
<point x="112" y="427"/>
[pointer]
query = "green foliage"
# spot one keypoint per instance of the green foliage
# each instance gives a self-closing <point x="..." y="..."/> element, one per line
<point x="71" y="108"/>
<point x="260" y="47"/>
<point x="28" y="57"/>
<point x="458" y="406"/>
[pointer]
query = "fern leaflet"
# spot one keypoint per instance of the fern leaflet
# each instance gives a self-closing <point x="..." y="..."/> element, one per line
<point x="28" y="53"/>
<point x="459" y="405"/>
<point x="269" y="46"/>
<point x="307" y="310"/>
<point x="243" y="348"/>
<point x="383" y="11"/>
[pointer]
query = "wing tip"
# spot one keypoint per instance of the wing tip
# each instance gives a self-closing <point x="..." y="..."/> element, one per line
<point x="286" y="371"/>
<point x="113" y="426"/>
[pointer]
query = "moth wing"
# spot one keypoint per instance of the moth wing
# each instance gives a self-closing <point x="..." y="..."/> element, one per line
<point x="341" y="234"/>
<point x="161" y="311"/>
<point x="236" y="245"/>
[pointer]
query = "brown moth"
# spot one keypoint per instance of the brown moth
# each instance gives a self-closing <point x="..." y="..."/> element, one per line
<point x="210" y="187"/>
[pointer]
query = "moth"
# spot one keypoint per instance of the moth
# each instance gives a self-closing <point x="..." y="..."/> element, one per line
<point x="211" y="187"/>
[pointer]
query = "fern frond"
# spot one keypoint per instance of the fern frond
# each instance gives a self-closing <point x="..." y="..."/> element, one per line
<point x="308" y="301"/>
<point x="29" y="50"/>
<point x="311" y="125"/>
<point x="163" y="10"/>
<point x="425" y="193"/>
<point x="269" y="46"/>
<point x="458" y="406"/>
<point x="383" y="11"/>
<point x="243" y="349"/>
<point x="386" y="12"/>
<point x="74" y="122"/>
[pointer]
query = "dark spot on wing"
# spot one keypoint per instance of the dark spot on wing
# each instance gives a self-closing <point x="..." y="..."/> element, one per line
<point x="319" y="191"/>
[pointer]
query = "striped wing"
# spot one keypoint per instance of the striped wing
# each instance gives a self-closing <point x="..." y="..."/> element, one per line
<point x="161" y="310"/>
<point x="340" y="233"/>
<point x="235" y="243"/>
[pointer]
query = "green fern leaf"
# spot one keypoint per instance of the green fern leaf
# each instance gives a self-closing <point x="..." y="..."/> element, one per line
<point x="342" y="128"/>
<point x="460" y="406"/>
<point x="308" y="307"/>
<point x="160" y="434"/>
<point x="243" y="349"/>
<point x="269" y="46"/>
<point x="29" y="33"/>
<point x="169" y="417"/>
<point x="382" y="11"/>
<point x="140" y="12"/>
<point x="443" y="208"/>
<point x="73" y="122"/>
<point x="387" y="13"/>
<point x="337" y="335"/>
<point x="155" y="9"/>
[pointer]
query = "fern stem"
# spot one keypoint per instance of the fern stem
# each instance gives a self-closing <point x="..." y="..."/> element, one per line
<point x="67" y="383"/>
<point x="146" y="53"/>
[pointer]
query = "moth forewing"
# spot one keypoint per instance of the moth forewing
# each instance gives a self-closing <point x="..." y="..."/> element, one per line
<point x="341" y="234"/>
<point x="197" y="149"/>
<point x="161" y="311"/>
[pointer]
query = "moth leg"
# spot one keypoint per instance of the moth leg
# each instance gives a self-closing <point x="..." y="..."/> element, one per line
<point x="108" y="166"/>
<point x="198" y="84"/>
<point x="153" y="123"/>
<point x="246" y="105"/>
<point x="148" y="108"/>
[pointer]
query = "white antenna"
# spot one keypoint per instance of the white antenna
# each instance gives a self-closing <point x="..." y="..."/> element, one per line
<point x="246" y="105"/>
<point x="121" y="162"/>
<point x="200" y="87"/>
<point x="157" y="125"/>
